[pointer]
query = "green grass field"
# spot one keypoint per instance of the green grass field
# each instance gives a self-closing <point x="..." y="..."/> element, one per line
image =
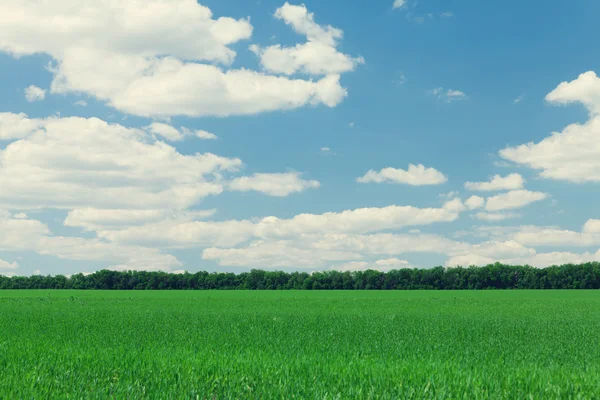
<point x="314" y="345"/>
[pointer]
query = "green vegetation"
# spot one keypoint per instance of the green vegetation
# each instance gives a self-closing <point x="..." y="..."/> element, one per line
<point x="299" y="344"/>
<point x="494" y="276"/>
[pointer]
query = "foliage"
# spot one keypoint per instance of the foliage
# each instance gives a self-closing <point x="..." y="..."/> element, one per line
<point x="494" y="276"/>
<point x="313" y="345"/>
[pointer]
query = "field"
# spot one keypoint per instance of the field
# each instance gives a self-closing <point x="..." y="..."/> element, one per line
<point x="314" y="345"/>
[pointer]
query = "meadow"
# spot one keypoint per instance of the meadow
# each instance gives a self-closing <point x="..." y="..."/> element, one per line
<point x="299" y="344"/>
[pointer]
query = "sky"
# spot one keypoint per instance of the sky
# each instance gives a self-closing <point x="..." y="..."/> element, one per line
<point x="175" y="135"/>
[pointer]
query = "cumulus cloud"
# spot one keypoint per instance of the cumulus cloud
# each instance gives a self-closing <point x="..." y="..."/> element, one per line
<point x="34" y="93"/>
<point x="32" y="235"/>
<point x="78" y="162"/>
<point x="416" y="175"/>
<point x="178" y="233"/>
<point x="277" y="184"/>
<point x="131" y="55"/>
<point x="553" y="237"/>
<point x="120" y="257"/>
<point x="475" y="202"/>
<point x="585" y="89"/>
<point x="93" y="219"/>
<point x="280" y="253"/>
<point x="318" y="250"/>
<point x="166" y="131"/>
<point x="592" y="226"/>
<point x="19" y="234"/>
<point x="574" y="154"/>
<point x="16" y="126"/>
<point x="497" y="183"/>
<point x="362" y="220"/>
<point x="513" y="199"/>
<point x="318" y="56"/>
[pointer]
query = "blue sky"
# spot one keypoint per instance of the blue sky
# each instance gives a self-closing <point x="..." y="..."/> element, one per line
<point x="108" y="119"/>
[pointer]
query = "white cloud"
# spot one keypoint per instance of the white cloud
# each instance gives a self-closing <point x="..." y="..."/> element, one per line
<point x="19" y="234"/>
<point x="509" y="182"/>
<point x="280" y="253"/>
<point x="178" y="233"/>
<point x="495" y="217"/>
<point x="77" y="162"/>
<point x="475" y="202"/>
<point x="130" y="55"/>
<point x="362" y="220"/>
<point x="592" y="226"/>
<point x="32" y="235"/>
<point x="5" y="265"/>
<point x="166" y="131"/>
<point x="325" y="149"/>
<point x="34" y="93"/>
<point x="543" y="260"/>
<point x="574" y="154"/>
<point x="519" y="99"/>
<point x="416" y="175"/>
<point x="280" y="185"/>
<point x="174" y="135"/>
<point x="449" y="95"/>
<point x="121" y="257"/>
<point x="382" y="244"/>
<point x="318" y="250"/>
<point x="553" y="237"/>
<point x="80" y="103"/>
<point x="204" y="135"/>
<point x="488" y="253"/>
<point x="513" y="199"/>
<point x="585" y="89"/>
<point x="92" y="219"/>
<point x="399" y="3"/>
<point x="455" y="95"/>
<point x="455" y="205"/>
<point x="447" y="14"/>
<point x="16" y="126"/>
<point x="204" y="90"/>
<point x="318" y="56"/>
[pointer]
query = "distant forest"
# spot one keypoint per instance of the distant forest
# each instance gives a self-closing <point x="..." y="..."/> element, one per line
<point x="495" y="276"/>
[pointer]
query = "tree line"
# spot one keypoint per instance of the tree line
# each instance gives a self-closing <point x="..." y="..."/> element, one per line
<point x="494" y="276"/>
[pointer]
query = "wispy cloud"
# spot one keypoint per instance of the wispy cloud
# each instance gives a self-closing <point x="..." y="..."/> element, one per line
<point x="449" y="95"/>
<point x="399" y="3"/>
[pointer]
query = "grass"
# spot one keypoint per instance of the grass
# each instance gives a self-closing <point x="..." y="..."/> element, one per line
<point x="313" y="345"/>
